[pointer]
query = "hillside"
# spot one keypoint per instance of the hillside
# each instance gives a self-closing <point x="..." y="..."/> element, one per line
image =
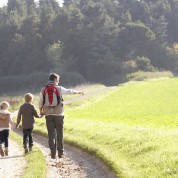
<point x="145" y="103"/>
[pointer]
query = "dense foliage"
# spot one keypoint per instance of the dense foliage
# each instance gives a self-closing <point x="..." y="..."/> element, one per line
<point x="88" y="39"/>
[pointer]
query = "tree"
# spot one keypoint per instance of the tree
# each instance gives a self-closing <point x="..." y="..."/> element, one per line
<point x="54" y="56"/>
<point x="134" y="39"/>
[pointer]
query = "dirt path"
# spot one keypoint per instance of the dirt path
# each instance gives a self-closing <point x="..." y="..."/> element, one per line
<point x="74" y="164"/>
<point x="14" y="164"/>
<point x="88" y="95"/>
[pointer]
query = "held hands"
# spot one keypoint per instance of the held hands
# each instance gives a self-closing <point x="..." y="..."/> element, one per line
<point x="41" y="112"/>
<point x="41" y="115"/>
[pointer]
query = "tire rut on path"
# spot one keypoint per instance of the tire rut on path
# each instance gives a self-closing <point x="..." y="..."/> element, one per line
<point x="74" y="164"/>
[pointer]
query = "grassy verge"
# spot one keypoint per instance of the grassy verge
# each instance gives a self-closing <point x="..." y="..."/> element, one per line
<point x="36" y="163"/>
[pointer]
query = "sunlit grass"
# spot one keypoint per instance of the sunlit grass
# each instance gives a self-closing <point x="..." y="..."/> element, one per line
<point x="133" y="128"/>
<point x="130" y="151"/>
<point x="150" y="103"/>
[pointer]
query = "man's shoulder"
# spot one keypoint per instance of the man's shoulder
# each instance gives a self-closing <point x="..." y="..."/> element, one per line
<point x="57" y="86"/>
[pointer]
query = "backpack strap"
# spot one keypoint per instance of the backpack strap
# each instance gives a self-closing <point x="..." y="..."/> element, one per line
<point x="60" y="97"/>
<point x="56" y="92"/>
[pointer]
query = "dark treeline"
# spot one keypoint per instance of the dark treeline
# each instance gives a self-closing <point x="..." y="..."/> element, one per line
<point x="87" y="40"/>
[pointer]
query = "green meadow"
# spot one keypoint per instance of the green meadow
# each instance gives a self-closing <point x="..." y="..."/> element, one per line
<point x="133" y="127"/>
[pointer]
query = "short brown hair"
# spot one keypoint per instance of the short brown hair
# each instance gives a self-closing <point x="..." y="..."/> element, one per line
<point x="28" y="97"/>
<point x="53" y="76"/>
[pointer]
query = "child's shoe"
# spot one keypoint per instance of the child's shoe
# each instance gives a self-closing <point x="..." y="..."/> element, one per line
<point x="1" y="151"/>
<point x="26" y="150"/>
<point x="6" y="151"/>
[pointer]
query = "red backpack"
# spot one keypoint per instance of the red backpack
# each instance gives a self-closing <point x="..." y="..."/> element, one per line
<point x="48" y="93"/>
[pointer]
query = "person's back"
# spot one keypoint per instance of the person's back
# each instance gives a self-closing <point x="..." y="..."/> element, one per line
<point x="54" y="113"/>
<point x="27" y="112"/>
<point x="4" y="119"/>
<point x="57" y="107"/>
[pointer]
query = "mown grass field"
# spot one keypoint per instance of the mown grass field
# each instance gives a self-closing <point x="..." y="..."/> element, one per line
<point x="133" y="128"/>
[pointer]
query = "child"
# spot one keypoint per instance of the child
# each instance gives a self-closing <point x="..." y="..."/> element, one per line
<point x="27" y="111"/>
<point x="6" y="123"/>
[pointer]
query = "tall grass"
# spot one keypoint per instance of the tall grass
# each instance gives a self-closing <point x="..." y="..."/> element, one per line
<point x="141" y="75"/>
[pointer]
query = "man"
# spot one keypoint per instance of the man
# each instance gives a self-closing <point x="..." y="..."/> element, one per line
<point x="50" y="104"/>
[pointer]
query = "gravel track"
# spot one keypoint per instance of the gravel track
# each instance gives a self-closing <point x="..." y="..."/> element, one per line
<point x="13" y="165"/>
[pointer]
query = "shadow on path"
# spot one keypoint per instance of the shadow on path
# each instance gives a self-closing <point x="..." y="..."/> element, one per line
<point x="8" y="157"/>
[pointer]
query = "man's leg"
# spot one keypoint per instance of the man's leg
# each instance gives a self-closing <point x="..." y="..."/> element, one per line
<point x="59" y="123"/>
<point x="51" y="135"/>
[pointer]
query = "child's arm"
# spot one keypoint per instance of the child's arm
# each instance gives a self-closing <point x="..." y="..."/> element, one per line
<point x="18" y="117"/>
<point x="36" y="114"/>
<point x="12" y="124"/>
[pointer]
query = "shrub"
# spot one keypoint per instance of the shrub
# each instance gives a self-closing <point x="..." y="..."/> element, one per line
<point x="143" y="63"/>
<point x="30" y="83"/>
<point x="128" y="66"/>
<point x="72" y="78"/>
<point x="140" y="75"/>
